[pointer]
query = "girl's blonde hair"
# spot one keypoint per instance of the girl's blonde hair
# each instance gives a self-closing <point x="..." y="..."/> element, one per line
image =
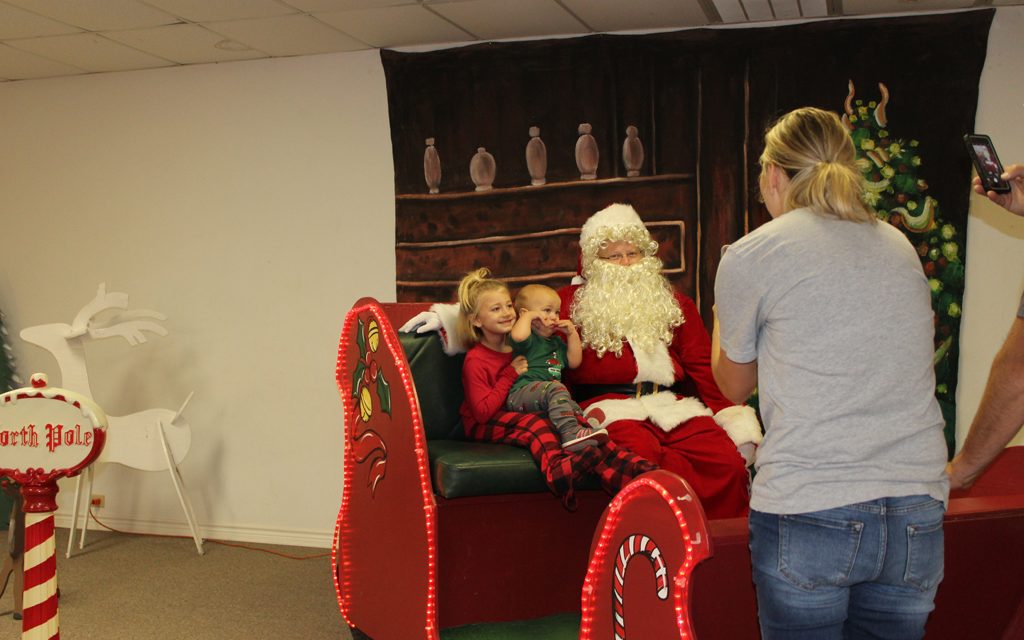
<point x="473" y="285"/>
<point x="815" y="150"/>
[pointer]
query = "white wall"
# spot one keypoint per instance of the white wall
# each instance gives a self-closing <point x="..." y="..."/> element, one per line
<point x="995" y="238"/>
<point x="252" y="203"/>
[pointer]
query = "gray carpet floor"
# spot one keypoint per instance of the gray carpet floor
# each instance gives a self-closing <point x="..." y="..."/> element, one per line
<point x="153" y="588"/>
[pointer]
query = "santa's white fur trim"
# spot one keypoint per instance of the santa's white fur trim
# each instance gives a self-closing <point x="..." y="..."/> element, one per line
<point x="740" y="422"/>
<point x="668" y="412"/>
<point x="612" y="215"/>
<point x="663" y="409"/>
<point x="448" y="314"/>
<point x="654" y="365"/>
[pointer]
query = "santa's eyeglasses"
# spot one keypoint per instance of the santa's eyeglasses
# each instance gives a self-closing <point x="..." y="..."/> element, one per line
<point x="628" y="256"/>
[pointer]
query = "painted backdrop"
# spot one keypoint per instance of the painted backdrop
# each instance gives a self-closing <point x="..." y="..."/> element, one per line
<point x="462" y="121"/>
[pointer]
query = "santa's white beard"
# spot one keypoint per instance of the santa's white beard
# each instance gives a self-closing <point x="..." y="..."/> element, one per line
<point x="618" y="303"/>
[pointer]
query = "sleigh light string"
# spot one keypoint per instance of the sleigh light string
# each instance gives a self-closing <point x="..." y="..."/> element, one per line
<point x="342" y="583"/>
<point x="681" y="590"/>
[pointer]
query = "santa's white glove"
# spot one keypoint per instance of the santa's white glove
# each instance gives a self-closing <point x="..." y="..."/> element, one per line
<point x="422" y="322"/>
<point x="749" y="452"/>
<point x="442" y="319"/>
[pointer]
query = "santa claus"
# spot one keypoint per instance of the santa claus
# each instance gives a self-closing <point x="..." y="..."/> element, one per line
<point x="646" y="369"/>
<point x="643" y="344"/>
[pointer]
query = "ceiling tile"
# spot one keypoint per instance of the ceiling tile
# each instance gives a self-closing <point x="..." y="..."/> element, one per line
<point x="615" y="15"/>
<point x="18" y="23"/>
<point x="814" y="8"/>
<point x="287" y="36"/>
<point x="18" y="65"/>
<point x="862" y="7"/>
<point x="90" y="51"/>
<point x="186" y="44"/>
<point x="210" y="10"/>
<point x="757" y="10"/>
<point x="730" y="11"/>
<point x="786" y="9"/>
<point x="98" y="15"/>
<point x="495" y="19"/>
<point x="315" y="6"/>
<point x="395" y="26"/>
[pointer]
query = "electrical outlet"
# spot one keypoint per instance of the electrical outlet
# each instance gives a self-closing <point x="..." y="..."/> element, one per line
<point x="98" y="502"/>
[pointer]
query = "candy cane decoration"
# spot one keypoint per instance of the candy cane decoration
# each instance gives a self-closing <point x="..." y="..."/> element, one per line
<point x="631" y="546"/>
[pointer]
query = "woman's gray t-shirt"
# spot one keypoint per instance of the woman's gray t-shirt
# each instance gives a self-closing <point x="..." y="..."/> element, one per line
<point x="838" y="317"/>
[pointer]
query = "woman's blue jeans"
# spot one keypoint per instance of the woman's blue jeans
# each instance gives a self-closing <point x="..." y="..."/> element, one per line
<point x="866" y="570"/>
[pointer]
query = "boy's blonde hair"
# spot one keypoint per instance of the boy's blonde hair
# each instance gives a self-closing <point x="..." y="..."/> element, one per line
<point x="530" y="293"/>
<point x="815" y="150"/>
<point x="473" y="285"/>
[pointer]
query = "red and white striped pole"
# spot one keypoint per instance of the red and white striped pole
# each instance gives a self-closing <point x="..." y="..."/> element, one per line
<point x="46" y="433"/>
<point x="40" y="619"/>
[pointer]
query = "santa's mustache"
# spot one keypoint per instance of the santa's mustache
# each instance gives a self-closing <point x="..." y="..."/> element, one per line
<point x="632" y="302"/>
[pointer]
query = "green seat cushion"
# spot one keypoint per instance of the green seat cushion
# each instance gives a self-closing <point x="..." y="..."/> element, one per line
<point x="460" y="469"/>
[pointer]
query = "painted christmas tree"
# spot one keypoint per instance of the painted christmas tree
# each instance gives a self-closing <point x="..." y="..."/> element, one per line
<point x="8" y="375"/>
<point x="891" y="167"/>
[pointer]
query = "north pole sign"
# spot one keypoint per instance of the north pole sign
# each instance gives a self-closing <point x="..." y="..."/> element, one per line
<point x="47" y="432"/>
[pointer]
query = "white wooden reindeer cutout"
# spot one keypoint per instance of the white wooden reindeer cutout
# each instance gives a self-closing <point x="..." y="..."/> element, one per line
<point x="150" y="440"/>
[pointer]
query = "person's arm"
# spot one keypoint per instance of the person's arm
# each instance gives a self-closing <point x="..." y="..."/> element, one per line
<point x="691" y="345"/>
<point x="486" y="395"/>
<point x="1012" y="201"/>
<point x="524" y="325"/>
<point x="574" y="350"/>
<point x="1000" y="414"/>
<point x="737" y="380"/>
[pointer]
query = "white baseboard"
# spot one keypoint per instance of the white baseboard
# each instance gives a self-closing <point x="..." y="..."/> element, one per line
<point x="287" y="537"/>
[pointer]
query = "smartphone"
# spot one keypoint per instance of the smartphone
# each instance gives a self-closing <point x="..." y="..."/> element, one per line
<point x="986" y="162"/>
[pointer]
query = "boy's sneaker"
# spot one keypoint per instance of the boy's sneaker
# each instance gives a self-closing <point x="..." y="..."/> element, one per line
<point x="583" y="437"/>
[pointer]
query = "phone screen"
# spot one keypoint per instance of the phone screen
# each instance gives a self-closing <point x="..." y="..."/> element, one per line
<point x="986" y="162"/>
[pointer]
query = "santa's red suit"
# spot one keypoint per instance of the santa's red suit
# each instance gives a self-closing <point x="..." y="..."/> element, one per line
<point x="696" y="437"/>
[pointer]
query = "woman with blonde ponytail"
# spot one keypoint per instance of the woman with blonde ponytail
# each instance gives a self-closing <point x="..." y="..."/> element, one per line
<point x="828" y="313"/>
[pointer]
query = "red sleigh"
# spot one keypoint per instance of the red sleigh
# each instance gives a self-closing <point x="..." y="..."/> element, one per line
<point x="436" y="534"/>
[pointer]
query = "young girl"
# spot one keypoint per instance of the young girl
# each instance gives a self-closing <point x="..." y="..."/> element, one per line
<point x="486" y="317"/>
